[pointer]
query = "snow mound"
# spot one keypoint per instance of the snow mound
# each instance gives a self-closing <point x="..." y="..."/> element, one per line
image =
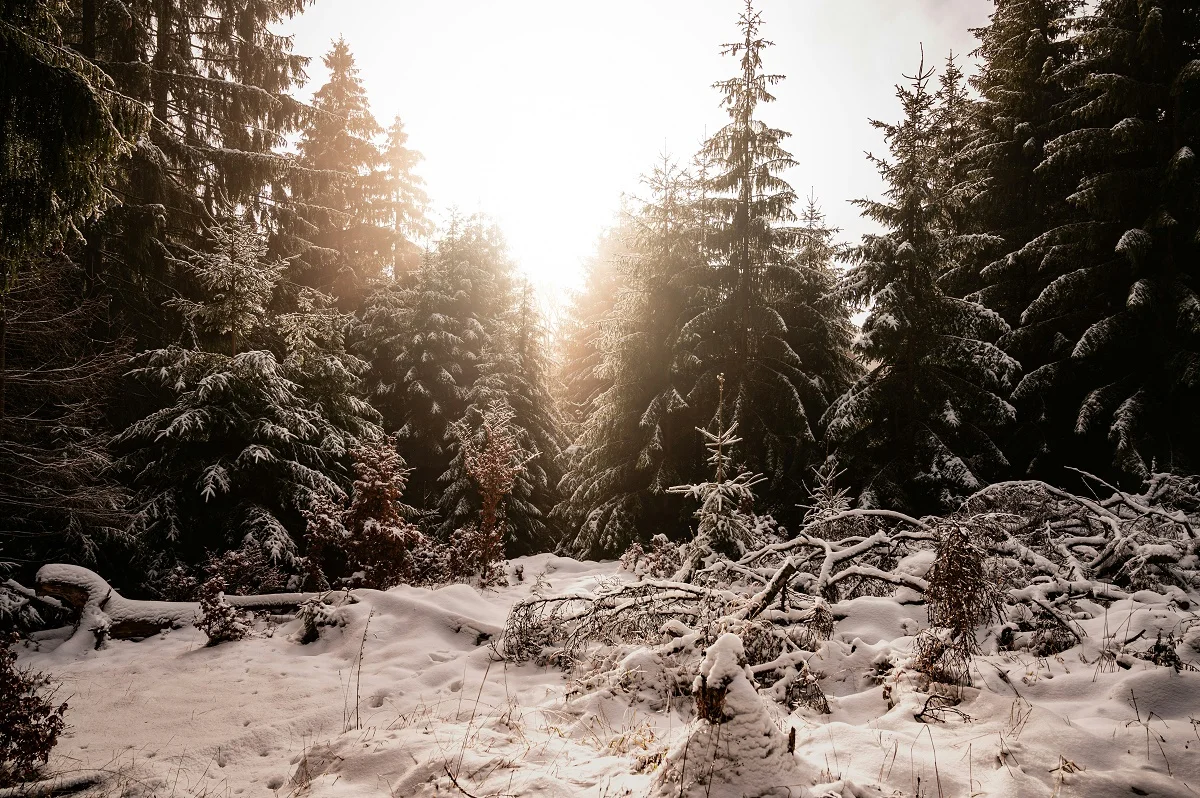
<point x="733" y="745"/>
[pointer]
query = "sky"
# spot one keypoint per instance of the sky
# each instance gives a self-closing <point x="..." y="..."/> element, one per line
<point x="543" y="113"/>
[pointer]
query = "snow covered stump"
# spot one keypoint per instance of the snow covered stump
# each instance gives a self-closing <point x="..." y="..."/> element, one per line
<point x="732" y="749"/>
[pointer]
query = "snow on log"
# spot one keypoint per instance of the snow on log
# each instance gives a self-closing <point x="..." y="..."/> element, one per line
<point x="107" y="613"/>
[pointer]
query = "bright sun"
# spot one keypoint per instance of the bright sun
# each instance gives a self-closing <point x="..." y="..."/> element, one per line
<point x="542" y="114"/>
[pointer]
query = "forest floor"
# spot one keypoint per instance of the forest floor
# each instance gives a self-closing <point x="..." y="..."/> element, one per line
<point x="408" y="698"/>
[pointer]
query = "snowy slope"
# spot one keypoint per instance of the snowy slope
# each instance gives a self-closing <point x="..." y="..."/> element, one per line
<point x="437" y="713"/>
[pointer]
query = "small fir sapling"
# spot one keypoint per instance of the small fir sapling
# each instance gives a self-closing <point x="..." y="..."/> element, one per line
<point x="368" y="544"/>
<point x="732" y="741"/>
<point x="30" y="723"/>
<point x="219" y="619"/>
<point x="314" y="613"/>
<point x="494" y="459"/>
<point x="663" y="559"/>
<point x="247" y="571"/>
<point x="825" y="497"/>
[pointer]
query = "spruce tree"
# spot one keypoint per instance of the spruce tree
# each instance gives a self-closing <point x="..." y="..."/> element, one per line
<point x="60" y="499"/>
<point x="405" y="201"/>
<point x="1122" y="303"/>
<point x="580" y="334"/>
<point x="344" y="240"/>
<point x="916" y="432"/>
<point x="1024" y="51"/>
<point x="217" y="81"/>
<point x="254" y="423"/>
<point x="632" y="445"/>
<point x="514" y="372"/>
<point x="1028" y="66"/>
<point x="423" y="338"/>
<point x="63" y="128"/>
<point x="752" y="294"/>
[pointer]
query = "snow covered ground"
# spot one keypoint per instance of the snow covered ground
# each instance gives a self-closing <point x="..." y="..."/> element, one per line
<point x="428" y="709"/>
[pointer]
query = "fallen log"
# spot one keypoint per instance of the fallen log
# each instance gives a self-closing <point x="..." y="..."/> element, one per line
<point x="106" y="613"/>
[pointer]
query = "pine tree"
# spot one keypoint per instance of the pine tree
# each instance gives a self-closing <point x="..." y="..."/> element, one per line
<point x="345" y="239"/>
<point x="632" y="444"/>
<point x="750" y="302"/>
<point x="513" y="372"/>
<point x="423" y="338"/>
<point x="217" y="81"/>
<point x="1122" y="303"/>
<point x="244" y="439"/>
<point x="64" y="128"/>
<point x="916" y="431"/>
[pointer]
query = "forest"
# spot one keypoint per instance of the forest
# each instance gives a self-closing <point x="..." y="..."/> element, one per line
<point x="240" y="362"/>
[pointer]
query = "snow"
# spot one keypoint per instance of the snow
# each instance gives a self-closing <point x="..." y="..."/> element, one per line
<point x="429" y="704"/>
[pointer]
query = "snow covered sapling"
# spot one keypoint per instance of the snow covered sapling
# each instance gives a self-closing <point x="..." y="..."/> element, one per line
<point x="246" y="571"/>
<point x="369" y="544"/>
<point x="663" y="559"/>
<point x="313" y="614"/>
<point x="29" y="721"/>
<point x="726" y="524"/>
<point x="219" y="619"/>
<point x="494" y="459"/>
<point x="733" y="740"/>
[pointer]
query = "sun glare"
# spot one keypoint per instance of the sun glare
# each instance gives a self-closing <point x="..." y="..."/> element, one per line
<point x="543" y="114"/>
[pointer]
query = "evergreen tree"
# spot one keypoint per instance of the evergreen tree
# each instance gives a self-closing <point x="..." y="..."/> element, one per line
<point x="631" y="446"/>
<point x="423" y="337"/>
<point x="1024" y="51"/>
<point x="405" y="200"/>
<point x="953" y="125"/>
<point x="726" y="523"/>
<point x="244" y="439"/>
<point x="59" y="498"/>
<point x="1028" y="65"/>
<point x="514" y="373"/>
<point x="580" y="334"/>
<point x="752" y="302"/>
<point x="217" y="81"/>
<point x="916" y="431"/>
<point x="63" y="127"/>
<point x="348" y="241"/>
<point x="1123" y="302"/>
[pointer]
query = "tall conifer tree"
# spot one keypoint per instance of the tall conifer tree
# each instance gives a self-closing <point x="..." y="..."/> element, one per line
<point x="751" y="303"/>
<point x="341" y="212"/>
<point x="634" y="443"/>
<point x="217" y="80"/>
<point x="424" y="338"/>
<point x="916" y="431"/>
<point x="514" y="371"/>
